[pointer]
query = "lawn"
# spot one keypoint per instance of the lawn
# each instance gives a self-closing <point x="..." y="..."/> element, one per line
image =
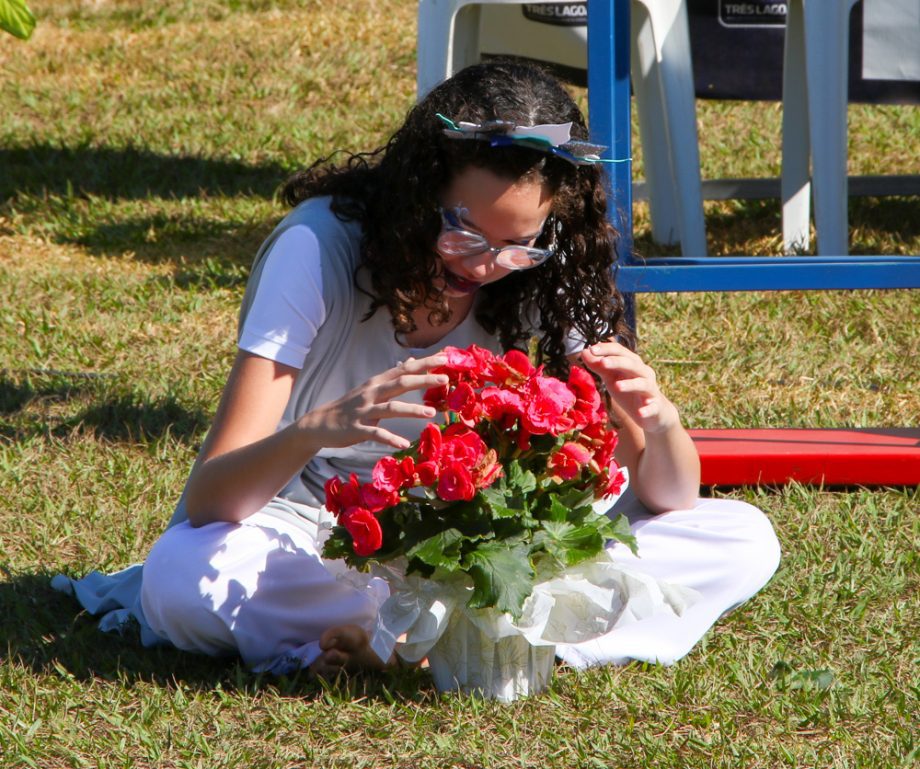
<point x="141" y="147"/>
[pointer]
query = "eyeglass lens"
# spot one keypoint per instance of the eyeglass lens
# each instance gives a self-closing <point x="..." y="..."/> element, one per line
<point x="458" y="242"/>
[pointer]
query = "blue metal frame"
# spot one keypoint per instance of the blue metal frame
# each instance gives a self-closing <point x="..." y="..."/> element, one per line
<point x="609" y="105"/>
<point x="781" y="273"/>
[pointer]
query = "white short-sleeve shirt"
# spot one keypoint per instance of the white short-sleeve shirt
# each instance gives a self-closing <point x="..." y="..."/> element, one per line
<point x="288" y="307"/>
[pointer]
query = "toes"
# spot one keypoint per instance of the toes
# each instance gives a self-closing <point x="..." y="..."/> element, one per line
<point x="348" y="638"/>
<point x="329" y="664"/>
<point x="329" y="639"/>
<point x="348" y="647"/>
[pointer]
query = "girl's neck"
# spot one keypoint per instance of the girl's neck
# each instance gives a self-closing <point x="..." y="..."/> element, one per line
<point x="427" y="334"/>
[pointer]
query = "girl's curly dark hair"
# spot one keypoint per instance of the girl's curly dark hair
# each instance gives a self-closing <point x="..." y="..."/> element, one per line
<point x="394" y="192"/>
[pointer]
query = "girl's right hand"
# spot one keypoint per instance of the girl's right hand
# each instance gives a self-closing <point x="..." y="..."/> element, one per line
<point x="355" y="417"/>
<point x="245" y="460"/>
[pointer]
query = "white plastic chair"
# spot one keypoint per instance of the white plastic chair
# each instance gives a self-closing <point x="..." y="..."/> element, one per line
<point x="449" y="39"/>
<point x="815" y="84"/>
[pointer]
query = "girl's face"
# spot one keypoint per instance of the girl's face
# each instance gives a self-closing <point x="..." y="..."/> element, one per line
<point x="505" y="212"/>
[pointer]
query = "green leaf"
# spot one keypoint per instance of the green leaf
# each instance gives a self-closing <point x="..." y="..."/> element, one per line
<point x="619" y="530"/>
<point x="519" y="480"/>
<point x="440" y="551"/>
<point x="574" y="498"/>
<point x="809" y="680"/>
<point x="16" y="18"/>
<point x="502" y="576"/>
<point x="557" y="510"/>
<point x="568" y="543"/>
<point x="819" y="680"/>
<point x="339" y="544"/>
<point x="497" y="503"/>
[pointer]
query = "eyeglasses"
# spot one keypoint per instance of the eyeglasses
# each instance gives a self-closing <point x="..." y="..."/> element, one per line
<point x="456" y="241"/>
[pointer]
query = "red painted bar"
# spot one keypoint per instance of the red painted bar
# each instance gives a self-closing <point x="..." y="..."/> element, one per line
<point x="833" y="457"/>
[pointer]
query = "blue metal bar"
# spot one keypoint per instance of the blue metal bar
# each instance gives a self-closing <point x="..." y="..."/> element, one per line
<point x="717" y="261"/>
<point x="779" y="275"/>
<point x="609" y="105"/>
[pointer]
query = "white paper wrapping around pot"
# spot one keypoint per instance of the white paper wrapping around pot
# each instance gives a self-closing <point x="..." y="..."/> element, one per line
<point x="465" y="658"/>
<point x="584" y="602"/>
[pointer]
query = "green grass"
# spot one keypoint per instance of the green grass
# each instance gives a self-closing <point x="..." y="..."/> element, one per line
<point x="141" y="146"/>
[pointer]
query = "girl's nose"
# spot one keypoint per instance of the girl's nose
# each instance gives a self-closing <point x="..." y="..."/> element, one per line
<point x="480" y="265"/>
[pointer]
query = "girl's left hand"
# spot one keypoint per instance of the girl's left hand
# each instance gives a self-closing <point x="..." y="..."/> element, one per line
<point x="632" y="384"/>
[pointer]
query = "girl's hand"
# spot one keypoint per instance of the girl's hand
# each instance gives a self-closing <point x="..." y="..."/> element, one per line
<point x="632" y="384"/>
<point x="355" y="416"/>
<point x="664" y="467"/>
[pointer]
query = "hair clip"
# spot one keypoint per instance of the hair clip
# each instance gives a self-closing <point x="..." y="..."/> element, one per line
<point x="553" y="138"/>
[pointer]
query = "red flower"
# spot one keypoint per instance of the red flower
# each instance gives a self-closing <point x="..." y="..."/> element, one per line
<point x="588" y="407"/>
<point x="421" y="474"/>
<point x="366" y="534"/>
<point x="407" y="468"/>
<point x="461" y="360"/>
<point x="602" y="442"/>
<point x="463" y="400"/>
<point x="487" y="470"/>
<point x="547" y="402"/>
<point x="375" y="499"/>
<point x="436" y="397"/>
<point x="487" y="365"/>
<point x="568" y="462"/>
<point x="518" y="362"/>
<point x="461" y="446"/>
<point x="388" y="474"/>
<point x="426" y="473"/>
<point x="455" y="483"/>
<point x="341" y="495"/>
<point x="611" y="481"/>
<point x="461" y="365"/>
<point x="504" y="407"/>
<point x="429" y="443"/>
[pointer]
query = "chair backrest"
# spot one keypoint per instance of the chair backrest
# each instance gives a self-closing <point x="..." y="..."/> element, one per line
<point x="551" y="33"/>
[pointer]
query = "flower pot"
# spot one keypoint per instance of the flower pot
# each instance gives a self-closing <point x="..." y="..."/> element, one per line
<point x="468" y="660"/>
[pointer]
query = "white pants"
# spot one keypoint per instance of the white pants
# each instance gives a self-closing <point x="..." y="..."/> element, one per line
<point x="260" y="589"/>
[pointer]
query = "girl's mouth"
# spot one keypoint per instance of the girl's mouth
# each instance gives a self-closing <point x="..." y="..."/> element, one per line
<point x="460" y="285"/>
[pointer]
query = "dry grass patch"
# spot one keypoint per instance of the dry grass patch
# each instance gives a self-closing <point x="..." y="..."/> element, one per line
<point x="141" y="151"/>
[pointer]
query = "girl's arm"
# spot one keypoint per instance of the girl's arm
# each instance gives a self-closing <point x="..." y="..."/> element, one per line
<point x="664" y="466"/>
<point x="244" y="462"/>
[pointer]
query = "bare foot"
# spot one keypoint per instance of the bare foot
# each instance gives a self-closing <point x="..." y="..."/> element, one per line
<point x="346" y="648"/>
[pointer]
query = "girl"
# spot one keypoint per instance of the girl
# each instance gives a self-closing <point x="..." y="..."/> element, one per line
<point x="482" y="220"/>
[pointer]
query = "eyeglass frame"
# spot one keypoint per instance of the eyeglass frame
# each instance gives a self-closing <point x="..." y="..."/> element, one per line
<point x="539" y="255"/>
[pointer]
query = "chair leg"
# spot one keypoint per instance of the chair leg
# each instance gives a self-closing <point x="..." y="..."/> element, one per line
<point x="796" y="179"/>
<point x="435" y="41"/>
<point x="672" y="34"/>
<point x="656" y="150"/>
<point x="826" y="57"/>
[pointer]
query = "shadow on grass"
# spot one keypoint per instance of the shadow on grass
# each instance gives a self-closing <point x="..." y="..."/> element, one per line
<point x="184" y="238"/>
<point x="47" y="632"/>
<point x="125" y="418"/>
<point x="870" y="221"/>
<point x="51" y="185"/>
<point x="129" y="173"/>
<point x="113" y="416"/>
<point x="898" y="217"/>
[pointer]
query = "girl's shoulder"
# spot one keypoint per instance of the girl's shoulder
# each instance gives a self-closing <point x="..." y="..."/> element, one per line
<point x="316" y="214"/>
<point x="327" y="247"/>
<point x="336" y="241"/>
